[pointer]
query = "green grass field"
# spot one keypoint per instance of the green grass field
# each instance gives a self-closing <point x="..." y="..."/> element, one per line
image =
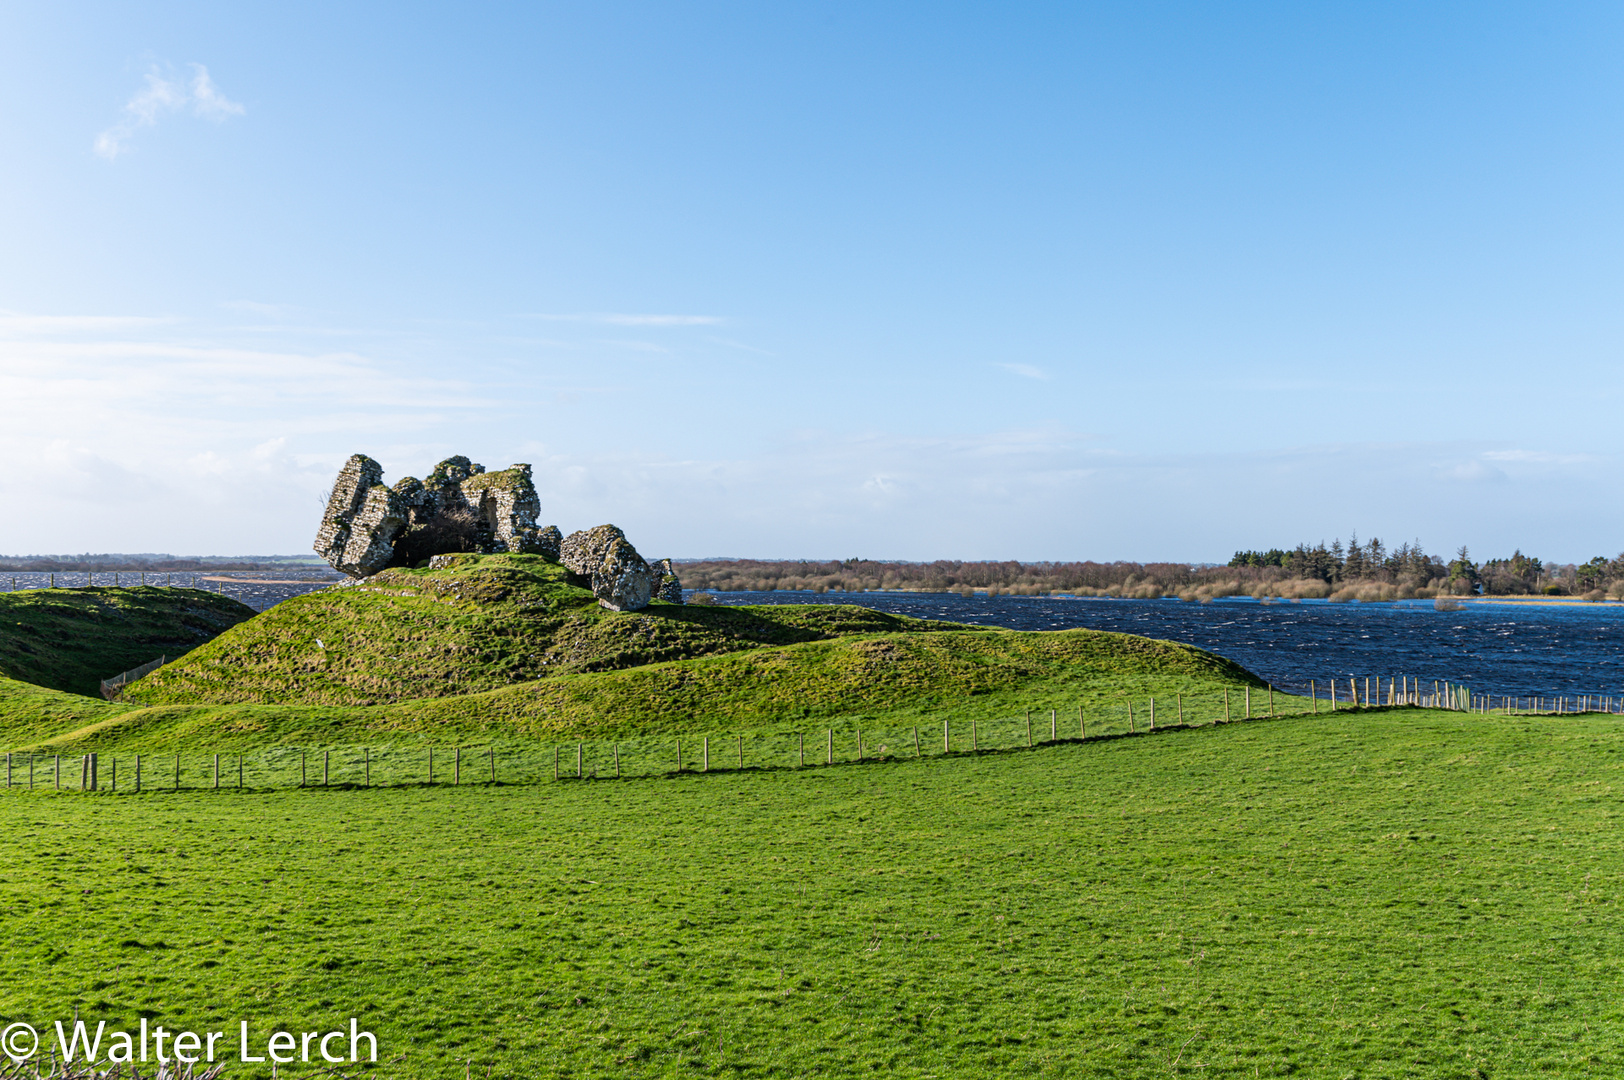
<point x="1375" y="894"/>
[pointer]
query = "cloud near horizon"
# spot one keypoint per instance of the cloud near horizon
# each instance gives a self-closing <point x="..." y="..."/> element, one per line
<point x="174" y="435"/>
<point x="161" y="96"/>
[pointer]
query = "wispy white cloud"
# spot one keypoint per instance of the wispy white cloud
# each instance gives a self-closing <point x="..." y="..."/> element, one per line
<point x="1471" y="472"/>
<point x="619" y="319"/>
<point x="141" y="435"/>
<point x="161" y="95"/>
<point x="1026" y="371"/>
<point x="1538" y="457"/>
<point x="207" y="101"/>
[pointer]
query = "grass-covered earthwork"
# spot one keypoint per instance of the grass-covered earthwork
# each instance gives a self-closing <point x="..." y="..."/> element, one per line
<point x="72" y="639"/>
<point x="485" y="623"/>
<point x="1375" y="894"/>
<point x="509" y="650"/>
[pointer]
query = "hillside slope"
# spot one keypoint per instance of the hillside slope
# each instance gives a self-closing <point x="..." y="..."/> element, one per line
<point x="71" y="639"/>
<point x="485" y="623"/>
<point x="849" y="682"/>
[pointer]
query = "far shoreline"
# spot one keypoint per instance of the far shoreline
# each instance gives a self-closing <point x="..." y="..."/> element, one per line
<point x="1517" y="600"/>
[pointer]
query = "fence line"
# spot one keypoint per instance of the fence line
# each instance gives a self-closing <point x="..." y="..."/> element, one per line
<point x="168" y="581"/>
<point x="653" y="756"/>
<point x="259" y="595"/>
<point x="111" y="687"/>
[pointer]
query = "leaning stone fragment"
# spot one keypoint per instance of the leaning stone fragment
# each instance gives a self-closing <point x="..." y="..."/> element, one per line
<point x="622" y="581"/>
<point x="362" y="520"/>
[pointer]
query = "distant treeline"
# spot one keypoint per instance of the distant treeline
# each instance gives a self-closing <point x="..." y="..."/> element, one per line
<point x="1358" y="571"/>
<point x="944" y="575"/>
<point x="1409" y="566"/>
<point x="156" y="563"/>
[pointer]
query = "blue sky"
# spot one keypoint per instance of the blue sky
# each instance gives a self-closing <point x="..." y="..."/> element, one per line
<point x="1035" y="281"/>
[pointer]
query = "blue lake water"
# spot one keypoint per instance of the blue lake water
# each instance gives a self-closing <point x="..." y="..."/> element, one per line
<point x="1518" y="650"/>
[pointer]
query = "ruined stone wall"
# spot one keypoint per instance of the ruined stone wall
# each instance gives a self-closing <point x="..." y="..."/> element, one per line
<point x="460" y="508"/>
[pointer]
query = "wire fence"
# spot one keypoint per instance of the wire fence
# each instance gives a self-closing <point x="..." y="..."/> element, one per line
<point x="110" y="687"/>
<point x="417" y="764"/>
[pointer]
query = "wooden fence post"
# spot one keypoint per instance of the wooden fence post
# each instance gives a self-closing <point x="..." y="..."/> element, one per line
<point x="859" y="744"/>
<point x="580" y="763"/>
<point x="679" y="755"/>
<point x="492" y="753"/>
<point x="831" y="746"/>
<point x="975" y="738"/>
<point x="366" y="760"/>
<point x="1313" y="693"/>
<point x="216" y="772"/>
<point x="1054" y="734"/>
<point x="1248" y="703"/>
<point x="800" y="747"/>
<point x="741" y="751"/>
<point x="456" y="769"/>
<point x="617" y="760"/>
<point x="1152" y="714"/>
<point x="1130" y="717"/>
<point x="1028" y="728"/>
<point x="1180" y="698"/>
<point x="137" y="774"/>
<point x="326" y="766"/>
<point x="947" y="746"/>
<point x="1271" y="701"/>
<point x="707" y="755"/>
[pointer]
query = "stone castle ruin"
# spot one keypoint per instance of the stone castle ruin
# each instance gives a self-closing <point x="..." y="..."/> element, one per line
<point x="369" y="526"/>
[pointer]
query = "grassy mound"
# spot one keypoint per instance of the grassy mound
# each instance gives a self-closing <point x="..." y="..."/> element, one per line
<point x="511" y="649"/>
<point x="853" y="681"/>
<point x="1398" y="893"/>
<point x="485" y="623"/>
<point x="71" y="639"/>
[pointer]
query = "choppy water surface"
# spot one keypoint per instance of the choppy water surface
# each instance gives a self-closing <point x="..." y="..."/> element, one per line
<point x="1494" y="648"/>
<point x="259" y="589"/>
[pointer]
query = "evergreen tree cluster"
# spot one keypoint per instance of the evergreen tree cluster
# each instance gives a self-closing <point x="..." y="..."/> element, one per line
<point x="1372" y="561"/>
<point x="1408" y="564"/>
